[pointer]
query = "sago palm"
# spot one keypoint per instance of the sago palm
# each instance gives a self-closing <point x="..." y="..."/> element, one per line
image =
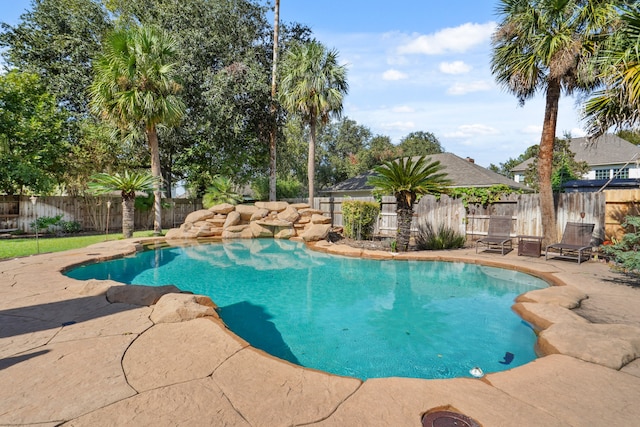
<point x="127" y="183"/>
<point x="135" y="86"/>
<point x="313" y="86"/>
<point x="618" y="103"/>
<point x="546" y="45"/>
<point x="407" y="180"/>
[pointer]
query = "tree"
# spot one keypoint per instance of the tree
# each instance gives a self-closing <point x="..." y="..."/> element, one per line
<point x="57" y="40"/>
<point x="220" y="191"/>
<point x="407" y="181"/>
<point x="545" y="45"/>
<point x="618" y="103"/>
<point x="33" y="143"/>
<point x="127" y="183"/>
<point x="274" y="130"/>
<point x="313" y="86"/>
<point x="135" y="88"/>
<point x="419" y="144"/>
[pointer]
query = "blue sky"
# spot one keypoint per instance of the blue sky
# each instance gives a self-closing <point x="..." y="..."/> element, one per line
<point x="419" y="65"/>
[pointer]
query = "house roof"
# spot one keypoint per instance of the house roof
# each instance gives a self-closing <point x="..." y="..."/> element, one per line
<point x="605" y="150"/>
<point x="462" y="173"/>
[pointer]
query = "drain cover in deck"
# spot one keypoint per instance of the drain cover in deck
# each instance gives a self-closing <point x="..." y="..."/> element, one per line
<point x="447" y="419"/>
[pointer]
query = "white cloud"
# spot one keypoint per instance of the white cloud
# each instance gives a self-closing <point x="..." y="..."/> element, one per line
<point x="462" y="88"/>
<point x="455" y="67"/>
<point x="468" y="131"/>
<point x="394" y="75"/>
<point x="457" y="39"/>
<point x="399" y="126"/>
<point x="403" y="109"/>
<point x="578" y="133"/>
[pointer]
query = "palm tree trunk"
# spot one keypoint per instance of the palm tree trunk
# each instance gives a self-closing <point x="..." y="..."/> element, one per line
<point x="274" y="124"/>
<point x="545" y="162"/>
<point x="405" y="216"/>
<point x="311" y="163"/>
<point x="152" y="135"/>
<point x="128" y="203"/>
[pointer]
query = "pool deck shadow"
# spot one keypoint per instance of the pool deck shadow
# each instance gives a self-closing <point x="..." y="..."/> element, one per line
<point x="70" y="357"/>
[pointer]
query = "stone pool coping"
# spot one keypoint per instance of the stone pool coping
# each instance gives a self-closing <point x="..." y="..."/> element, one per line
<point x="69" y="356"/>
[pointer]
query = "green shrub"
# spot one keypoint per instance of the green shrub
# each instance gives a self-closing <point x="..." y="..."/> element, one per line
<point x="44" y="223"/>
<point x="286" y="188"/>
<point x="624" y="253"/>
<point x="70" y="227"/>
<point x="359" y="218"/>
<point x="444" y="238"/>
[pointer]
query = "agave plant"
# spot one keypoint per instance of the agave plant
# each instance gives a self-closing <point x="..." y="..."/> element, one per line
<point x="127" y="184"/>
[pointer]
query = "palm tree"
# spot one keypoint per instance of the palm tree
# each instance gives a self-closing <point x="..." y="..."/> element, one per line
<point x="407" y="181"/>
<point x="220" y="191"/>
<point x="545" y="45"/>
<point x="313" y="86"/>
<point x="619" y="102"/>
<point x="274" y="126"/>
<point x="135" y="87"/>
<point x="127" y="184"/>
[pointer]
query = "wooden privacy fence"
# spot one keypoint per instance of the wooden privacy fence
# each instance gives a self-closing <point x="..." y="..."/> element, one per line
<point x="90" y="212"/>
<point x="473" y="220"/>
<point x="607" y="210"/>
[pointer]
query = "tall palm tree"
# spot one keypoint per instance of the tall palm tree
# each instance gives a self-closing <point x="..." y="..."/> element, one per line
<point x="274" y="125"/>
<point x="545" y="45"/>
<point x="135" y="86"/>
<point x="618" y="103"/>
<point x="313" y="86"/>
<point x="407" y="180"/>
<point x="127" y="183"/>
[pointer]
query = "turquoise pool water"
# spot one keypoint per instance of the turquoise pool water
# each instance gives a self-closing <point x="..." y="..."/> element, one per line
<point x="347" y="316"/>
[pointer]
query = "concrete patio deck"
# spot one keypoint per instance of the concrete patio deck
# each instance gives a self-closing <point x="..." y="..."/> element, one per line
<point x="69" y="356"/>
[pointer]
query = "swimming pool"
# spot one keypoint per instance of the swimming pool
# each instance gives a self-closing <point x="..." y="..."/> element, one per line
<point x="348" y="316"/>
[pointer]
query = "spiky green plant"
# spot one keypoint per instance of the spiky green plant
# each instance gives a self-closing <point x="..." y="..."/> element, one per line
<point x="127" y="184"/>
<point x="220" y="191"/>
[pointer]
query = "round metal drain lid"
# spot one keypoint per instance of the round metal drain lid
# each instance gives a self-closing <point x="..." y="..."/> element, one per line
<point x="448" y="419"/>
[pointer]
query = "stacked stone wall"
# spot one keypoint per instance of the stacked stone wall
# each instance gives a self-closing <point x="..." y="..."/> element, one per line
<point x="279" y="220"/>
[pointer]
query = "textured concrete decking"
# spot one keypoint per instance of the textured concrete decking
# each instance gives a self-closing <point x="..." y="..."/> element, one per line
<point x="70" y="357"/>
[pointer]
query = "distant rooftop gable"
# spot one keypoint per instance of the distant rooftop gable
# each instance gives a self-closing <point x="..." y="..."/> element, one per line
<point x="462" y="173"/>
<point x="605" y="150"/>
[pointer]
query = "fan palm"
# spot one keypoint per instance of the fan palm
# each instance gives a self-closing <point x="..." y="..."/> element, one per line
<point x="127" y="183"/>
<point x="313" y="86"/>
<point x="619" y="102"/>
<point x="545" y="45"/>
<point x="407" y="180"/>
<point x="221" y="190"/>
<point x="135" y="86"/>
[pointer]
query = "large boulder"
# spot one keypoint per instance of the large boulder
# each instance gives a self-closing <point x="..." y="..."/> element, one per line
<point x="259" y="214"/>
<point x="233" y="218"/>
<point x="290" y="214"/>
<point x="259" y="229"/>
<point x="223" y="208"/>
<point x="173" y="308"/>
<point x="320" y="219"/>
<point x="273" y="206"/>
<point x="246" y="212"/>
<point x="242" y="231"/>
<point x="199" y="215"/>
<point x="316" y="232"/>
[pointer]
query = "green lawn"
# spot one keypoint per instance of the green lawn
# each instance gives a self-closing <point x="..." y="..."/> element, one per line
<point x="13" y="248"/>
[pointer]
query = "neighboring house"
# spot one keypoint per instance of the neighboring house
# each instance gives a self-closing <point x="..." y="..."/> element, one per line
<point x="608" y="156"/>
<point x="462" y="173"/>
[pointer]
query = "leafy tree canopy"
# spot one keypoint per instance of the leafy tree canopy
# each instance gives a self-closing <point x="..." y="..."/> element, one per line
<point x="33" y="142"/>
<point x="419" y="144"/>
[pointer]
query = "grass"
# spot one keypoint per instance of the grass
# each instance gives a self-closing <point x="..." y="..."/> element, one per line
<point x="13" y="248"/>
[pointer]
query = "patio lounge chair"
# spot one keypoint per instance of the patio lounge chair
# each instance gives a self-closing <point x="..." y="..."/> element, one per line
<point x="575" y="243"/>
<point x="499" y="234"/>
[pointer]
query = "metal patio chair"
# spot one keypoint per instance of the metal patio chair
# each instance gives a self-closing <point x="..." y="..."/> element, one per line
<point x="499" y="234"/>
<point x="575" y="243"/>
